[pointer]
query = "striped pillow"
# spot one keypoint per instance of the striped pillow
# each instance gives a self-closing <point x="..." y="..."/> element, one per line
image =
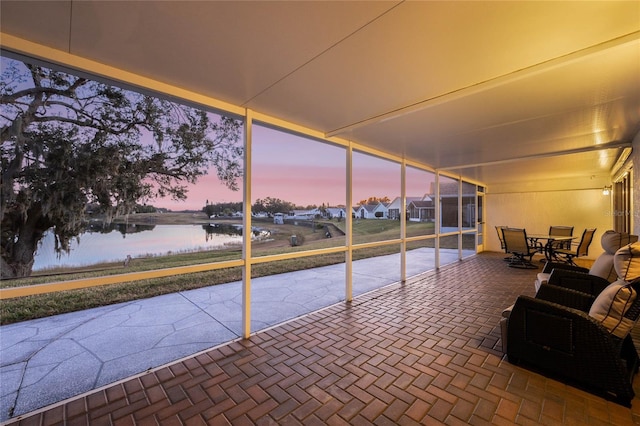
<point x="611" y="305"/>
<point x="627" y="262"/>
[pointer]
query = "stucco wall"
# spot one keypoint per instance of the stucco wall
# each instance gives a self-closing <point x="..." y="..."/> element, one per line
<point x="536" y="211"/>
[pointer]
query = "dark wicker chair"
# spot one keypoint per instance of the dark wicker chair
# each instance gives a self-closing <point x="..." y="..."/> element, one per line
<point x="580" y="281"/>
<point x="553" y="334"/>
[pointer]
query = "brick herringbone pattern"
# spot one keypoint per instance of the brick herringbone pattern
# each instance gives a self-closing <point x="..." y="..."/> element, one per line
<point x="424" y="352"/>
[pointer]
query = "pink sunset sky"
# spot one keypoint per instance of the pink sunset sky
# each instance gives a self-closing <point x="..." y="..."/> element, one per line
<point x="304" y="172"/>
<point x="301" y="171"/>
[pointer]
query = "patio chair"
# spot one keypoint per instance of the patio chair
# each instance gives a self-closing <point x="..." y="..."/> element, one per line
<point x="500" y="236"/>
<point x="592" y="280"/>
<point x="516" y="243"/>
<point x="499" y="229"/>
<point x="581" y="339"/>
<point x="581" y="249"/>
<point x="561" y="231"/>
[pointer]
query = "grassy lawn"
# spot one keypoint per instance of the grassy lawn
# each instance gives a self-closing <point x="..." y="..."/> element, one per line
<point x="31" y="307"/>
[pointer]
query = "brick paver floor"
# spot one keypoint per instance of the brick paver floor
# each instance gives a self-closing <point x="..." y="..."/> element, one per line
<point x="423" y="352"/>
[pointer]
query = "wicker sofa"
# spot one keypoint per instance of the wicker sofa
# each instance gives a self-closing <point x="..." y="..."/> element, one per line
<point x="580" y="338"/>
<point x="591" y="281"/>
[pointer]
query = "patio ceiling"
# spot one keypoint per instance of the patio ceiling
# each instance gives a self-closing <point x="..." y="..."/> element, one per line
<point x="496" y="91"/>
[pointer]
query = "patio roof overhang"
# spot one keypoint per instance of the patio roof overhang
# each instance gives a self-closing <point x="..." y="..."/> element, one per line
<point x="494" y="91"/>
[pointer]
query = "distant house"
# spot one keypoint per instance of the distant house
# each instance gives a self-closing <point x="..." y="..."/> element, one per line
<point x="335" y="212"/>
<point x="278" y="218"/>
<point x="372" y="211"/>
<point x="304" y="214"/>
<point x="394" y="207"/>
<point x="449" y="205"/>
<point x="422" y="210"/>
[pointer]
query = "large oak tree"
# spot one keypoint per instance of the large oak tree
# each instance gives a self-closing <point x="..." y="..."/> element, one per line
<point x="68" y="141"/>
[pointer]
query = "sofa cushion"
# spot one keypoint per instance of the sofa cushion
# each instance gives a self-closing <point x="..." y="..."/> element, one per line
<point x="627" y="262"/>
<point x="541" y="278"/>
<point x="612" y="304"/>
<point x="611" y="241"/>
<point x="507" y="311"/>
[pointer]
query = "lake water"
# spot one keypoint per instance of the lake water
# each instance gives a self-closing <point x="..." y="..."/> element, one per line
<point x="113" y="243"/>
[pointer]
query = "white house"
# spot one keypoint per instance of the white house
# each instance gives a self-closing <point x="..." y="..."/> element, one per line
<point x="422" y="210"/>
<point x="335" y="212"/>
<point x="372" y="211"/>
<point x="394" y="207"/>
<point x="304" y="214"/>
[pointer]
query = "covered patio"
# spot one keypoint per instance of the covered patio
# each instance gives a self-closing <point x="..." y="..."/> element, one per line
<point x="534" y="104"/>
<point x="427" y="351"/>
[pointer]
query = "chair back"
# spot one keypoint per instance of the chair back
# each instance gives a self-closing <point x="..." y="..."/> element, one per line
<point x="500" y="236"/>
<point x="515" y="240"/>
<point x="561" y="231"/>
<point x="585" y="242"/>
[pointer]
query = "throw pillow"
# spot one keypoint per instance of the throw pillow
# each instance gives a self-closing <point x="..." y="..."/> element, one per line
<point x="611" y="305"/>
<point x="627" y="262"/>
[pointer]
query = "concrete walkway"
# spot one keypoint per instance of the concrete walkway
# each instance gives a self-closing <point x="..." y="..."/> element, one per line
<point x="48" y="360"/>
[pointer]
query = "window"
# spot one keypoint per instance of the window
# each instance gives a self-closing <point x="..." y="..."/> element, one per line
<point x="622" y="206"/>
<point x="298" y="192"/>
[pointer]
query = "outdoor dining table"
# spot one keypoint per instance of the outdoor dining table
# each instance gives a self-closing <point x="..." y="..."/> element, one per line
<point x="535" y="240"/>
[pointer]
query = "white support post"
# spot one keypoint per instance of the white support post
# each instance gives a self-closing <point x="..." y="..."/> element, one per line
<point x="403" y="221"/>
<point x="438" y="208"/>
<point x="348" y="261"/>
<point x="246" y="227"/>
<point x="459" y="218"/>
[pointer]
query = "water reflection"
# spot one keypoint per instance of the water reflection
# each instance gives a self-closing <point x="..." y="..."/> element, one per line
<point x="116" y="241"/>
<point x="122" y="228"/>
<point x="232" y="229"/>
